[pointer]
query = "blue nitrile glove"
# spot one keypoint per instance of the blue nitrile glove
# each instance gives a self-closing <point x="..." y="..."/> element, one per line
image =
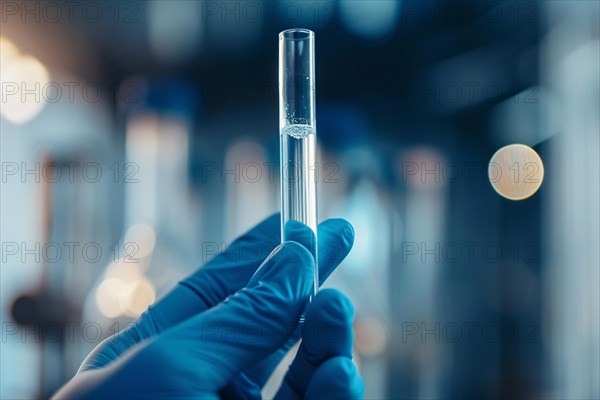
<point x="222" y="331"/>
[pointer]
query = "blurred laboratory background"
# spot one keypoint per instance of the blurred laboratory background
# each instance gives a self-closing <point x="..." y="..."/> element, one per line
<point x="140" y="138"/>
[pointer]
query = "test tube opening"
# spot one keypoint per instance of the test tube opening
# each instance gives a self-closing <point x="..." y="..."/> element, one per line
<point x="296" y="34"/>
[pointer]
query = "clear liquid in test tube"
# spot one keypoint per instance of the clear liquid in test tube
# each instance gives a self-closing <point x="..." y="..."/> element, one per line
<point x="298" y="133"/>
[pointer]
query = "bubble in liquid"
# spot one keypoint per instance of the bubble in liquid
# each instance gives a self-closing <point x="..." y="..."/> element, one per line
<point x="298" y="131"/>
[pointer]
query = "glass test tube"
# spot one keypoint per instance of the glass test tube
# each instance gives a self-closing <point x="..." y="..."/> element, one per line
<point x="297" y="132"/>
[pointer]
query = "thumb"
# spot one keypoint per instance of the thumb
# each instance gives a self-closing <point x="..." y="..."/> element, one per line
<point x="253" y="322"/>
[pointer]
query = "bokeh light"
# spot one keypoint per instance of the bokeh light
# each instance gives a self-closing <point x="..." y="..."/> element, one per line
<point x="140" y="240"/>
<point x="8" y="51"/>
<point x="516" y="171"/>
<point x="137" y="296"/>
<point x="107" y="297"/>
<point x="124" y="291"/>
<point x="24" y="80"/>
<point x="372" y="19"/>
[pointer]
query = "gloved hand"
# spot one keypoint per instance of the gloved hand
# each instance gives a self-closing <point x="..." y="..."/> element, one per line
<point x="222" y="331"/>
